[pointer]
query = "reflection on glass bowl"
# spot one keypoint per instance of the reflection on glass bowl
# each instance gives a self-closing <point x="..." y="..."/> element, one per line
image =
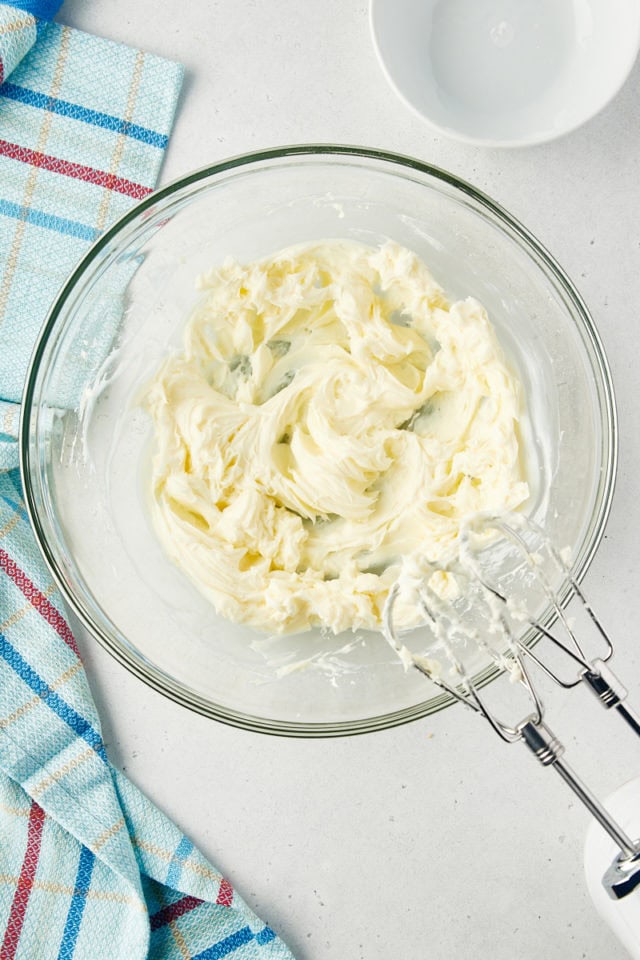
<point x="85" y="438"/>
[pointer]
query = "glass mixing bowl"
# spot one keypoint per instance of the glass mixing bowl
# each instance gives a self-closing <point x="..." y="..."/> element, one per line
<point x="85" y="440"/>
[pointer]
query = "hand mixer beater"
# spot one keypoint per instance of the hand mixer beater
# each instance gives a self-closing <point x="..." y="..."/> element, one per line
<point x="482" y="617"/>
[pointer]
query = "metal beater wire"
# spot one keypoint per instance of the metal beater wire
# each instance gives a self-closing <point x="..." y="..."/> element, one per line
<point x="445" y="623"/>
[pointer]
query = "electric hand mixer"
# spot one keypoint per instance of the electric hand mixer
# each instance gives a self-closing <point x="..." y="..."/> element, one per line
<point x="490" y="621"/>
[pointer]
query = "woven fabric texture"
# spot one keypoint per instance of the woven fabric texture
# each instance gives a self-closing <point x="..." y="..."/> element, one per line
<point x="89" y="868"/>
<point x="18" y="33"/>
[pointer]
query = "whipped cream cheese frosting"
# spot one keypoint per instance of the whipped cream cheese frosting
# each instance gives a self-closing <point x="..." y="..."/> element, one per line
<point x="330" y="414"/>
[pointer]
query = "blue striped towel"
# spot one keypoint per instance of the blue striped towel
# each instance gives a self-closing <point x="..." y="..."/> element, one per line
<point x="89" y="868"/>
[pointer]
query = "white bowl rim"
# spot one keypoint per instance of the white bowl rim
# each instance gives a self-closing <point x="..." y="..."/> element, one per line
<point x="511" y="143"/>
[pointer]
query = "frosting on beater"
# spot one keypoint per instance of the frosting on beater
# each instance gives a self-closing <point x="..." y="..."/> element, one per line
<point x="330" y="413"/>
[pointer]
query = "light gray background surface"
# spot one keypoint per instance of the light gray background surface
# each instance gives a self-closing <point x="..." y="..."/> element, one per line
<point x="432" y="840"/>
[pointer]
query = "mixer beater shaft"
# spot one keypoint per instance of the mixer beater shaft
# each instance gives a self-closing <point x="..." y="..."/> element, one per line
<point x="444" y="623"/>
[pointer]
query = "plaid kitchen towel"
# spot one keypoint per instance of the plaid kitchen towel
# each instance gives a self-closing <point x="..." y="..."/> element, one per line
<point x="89" y="868"/>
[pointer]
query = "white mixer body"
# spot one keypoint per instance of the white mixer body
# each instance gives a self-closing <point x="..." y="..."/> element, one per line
<point x="622" y="916"/>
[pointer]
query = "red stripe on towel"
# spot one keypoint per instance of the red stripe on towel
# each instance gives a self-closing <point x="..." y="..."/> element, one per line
<point x="173" y="912"/>
<point x="225" y="894"/>
<point x="38" y="600"/>
<point x="76" y="170"/>
<point x="25" y="884"/>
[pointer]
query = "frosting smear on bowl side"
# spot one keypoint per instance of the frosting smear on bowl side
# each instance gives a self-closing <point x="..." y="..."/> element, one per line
<point x="330" y="413"/>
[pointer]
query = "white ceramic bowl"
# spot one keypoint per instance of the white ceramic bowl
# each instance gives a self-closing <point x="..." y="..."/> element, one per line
<point x="506" y="72"/>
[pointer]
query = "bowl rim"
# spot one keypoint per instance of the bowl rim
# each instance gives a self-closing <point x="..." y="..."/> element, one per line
<point x="510" y="143"/>
<point x="157" y="679"/>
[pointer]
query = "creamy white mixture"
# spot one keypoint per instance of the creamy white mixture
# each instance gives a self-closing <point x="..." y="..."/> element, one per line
<point x="329" y="414"/>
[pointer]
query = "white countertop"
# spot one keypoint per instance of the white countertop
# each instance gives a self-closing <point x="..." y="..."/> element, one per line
<point x="432" y="840"/>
